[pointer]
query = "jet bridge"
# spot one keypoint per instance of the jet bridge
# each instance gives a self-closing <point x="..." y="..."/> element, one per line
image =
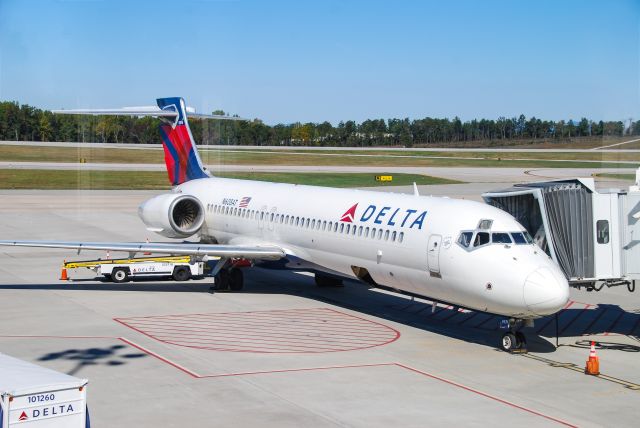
<point x="593" y="235"/>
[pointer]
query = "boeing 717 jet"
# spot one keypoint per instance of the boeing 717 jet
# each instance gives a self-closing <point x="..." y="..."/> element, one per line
<point x="463" y="253"/>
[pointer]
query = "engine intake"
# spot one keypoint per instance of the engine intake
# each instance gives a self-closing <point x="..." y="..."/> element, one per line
<point x="172" y="215"/>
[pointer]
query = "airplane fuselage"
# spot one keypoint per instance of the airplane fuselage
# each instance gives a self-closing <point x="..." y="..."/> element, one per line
<point x="449" y="250"/>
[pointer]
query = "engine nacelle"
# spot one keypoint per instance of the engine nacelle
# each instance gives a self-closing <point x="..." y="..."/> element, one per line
<point x="172" y="215"/>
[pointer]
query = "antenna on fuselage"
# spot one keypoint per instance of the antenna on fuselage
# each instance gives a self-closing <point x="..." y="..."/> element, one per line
<point x="415" y="189"/>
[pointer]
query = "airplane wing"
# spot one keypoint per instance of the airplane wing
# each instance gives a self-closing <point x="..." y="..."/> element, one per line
<point x="261" y="252"/>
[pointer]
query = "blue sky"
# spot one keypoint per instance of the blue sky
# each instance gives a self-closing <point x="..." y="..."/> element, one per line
<point x="287" y="61"/>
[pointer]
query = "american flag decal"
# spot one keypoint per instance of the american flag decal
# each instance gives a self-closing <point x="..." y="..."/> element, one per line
<point x="244" y="202"/>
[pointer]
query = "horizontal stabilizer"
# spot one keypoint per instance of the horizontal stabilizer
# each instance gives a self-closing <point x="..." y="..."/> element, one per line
<point x="152" y="111"/>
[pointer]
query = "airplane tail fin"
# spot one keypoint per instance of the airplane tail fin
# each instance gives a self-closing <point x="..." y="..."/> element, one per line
<point x="180" y="153"/>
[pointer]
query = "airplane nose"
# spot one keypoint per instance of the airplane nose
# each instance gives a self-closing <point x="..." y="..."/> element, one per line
<point x="545" y="292"/>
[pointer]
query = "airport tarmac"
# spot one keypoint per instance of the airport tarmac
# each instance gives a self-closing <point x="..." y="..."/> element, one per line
<point x="286" y="353"/>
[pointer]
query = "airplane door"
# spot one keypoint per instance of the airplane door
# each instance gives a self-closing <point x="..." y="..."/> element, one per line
<point x="433" y="254"/>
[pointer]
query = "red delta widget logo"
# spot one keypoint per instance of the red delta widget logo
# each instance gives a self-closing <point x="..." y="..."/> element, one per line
<point x="386" y="215"/>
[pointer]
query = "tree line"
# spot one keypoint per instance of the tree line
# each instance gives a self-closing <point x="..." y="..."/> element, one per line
<point x="27" y="123"/>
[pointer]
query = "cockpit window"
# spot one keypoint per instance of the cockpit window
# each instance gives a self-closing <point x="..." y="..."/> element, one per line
<point x="482" y="238"/>
<point x="500" y="238"/>
<point x="521" y="238"/>
<point x="465" y="239"/>
<point x="485" y="224"/>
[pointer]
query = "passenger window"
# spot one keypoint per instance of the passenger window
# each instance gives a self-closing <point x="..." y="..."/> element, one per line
<point x="465" y="239"/>
<point x="348" y="228"/>
<point x="482" y="238"/>
<point x="341" y="227"/>
<point x="373" y="233"/>
<point x="379" y="233"/>
<point x="360" y="231"/>
<point x="500" y="238"/>
<point x="386" y="235"/>
<point x="602" y="231"/>
<point x="335" y="226"/>
<point x="393" y="236"/>
<point x="307" y="224"/>
<point x="313" y="224"/>
<point x="324" y="225"/>
<point x="366" y="232"/>
<point x="401" y="237"/>
<point x="353" y="230"/>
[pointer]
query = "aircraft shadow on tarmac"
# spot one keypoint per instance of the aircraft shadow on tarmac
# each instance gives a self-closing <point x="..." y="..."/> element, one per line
<point x="476" y="327"/>
<point x="111" y="356"/>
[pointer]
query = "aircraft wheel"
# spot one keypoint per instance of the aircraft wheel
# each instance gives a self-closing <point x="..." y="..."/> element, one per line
<point x="521" y="340"/>
<point x="508" y="342"/>
<point x="221" y="280"/>
<point x="236" y="280"/>
<point x="120" y="275"/>
<point x="181" y="274"/>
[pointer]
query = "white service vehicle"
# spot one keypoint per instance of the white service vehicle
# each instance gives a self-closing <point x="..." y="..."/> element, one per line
<point x="180" y="268"/>
<point x="34" y="396"/>
<point x="464" y="253"/>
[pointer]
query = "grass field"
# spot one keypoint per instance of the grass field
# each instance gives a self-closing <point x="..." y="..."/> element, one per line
<point x="133" y="180"/>
<point x="326" y="157"/>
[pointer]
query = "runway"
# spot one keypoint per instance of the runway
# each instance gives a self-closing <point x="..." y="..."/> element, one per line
<point x="286" y="353"/>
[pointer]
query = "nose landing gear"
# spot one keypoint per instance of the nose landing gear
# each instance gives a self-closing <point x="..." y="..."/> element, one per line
<point x="514" y="341"/>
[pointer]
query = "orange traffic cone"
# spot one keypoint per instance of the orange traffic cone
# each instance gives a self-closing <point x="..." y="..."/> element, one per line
<point x="147" y="253"/>
<point x="63" y="274"/>
<point x="593" y="363"/>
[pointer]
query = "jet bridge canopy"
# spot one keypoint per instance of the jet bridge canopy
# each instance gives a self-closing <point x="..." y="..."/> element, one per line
<point x="559" y="215"/>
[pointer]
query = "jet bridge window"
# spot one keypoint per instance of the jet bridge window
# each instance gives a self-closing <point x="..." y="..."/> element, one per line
<point x="602" y="231"/>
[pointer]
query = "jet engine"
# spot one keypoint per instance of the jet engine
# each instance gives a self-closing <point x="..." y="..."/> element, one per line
<point x="172" y="215"/>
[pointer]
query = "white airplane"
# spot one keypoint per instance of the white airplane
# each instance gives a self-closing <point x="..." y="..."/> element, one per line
<point x="463" y="253"/>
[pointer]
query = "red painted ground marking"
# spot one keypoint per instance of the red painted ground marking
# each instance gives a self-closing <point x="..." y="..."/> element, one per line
<point x="580" y="313"/>
<point x="315" y="330"/>
<point x="221" y="375"/>
<point x="484" y="394"/>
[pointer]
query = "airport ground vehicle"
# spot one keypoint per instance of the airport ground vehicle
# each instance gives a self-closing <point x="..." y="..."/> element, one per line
<point x="40" y="397"/>
<point x="180" y="268"/>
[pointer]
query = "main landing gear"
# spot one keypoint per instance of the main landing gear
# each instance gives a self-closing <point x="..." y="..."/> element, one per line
<point x="228" y="275"/>
<point x="514" y="340"/>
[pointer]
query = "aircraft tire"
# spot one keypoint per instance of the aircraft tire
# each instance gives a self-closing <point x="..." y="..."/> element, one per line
<point x="521" y="340"/>
<point x="181" y="273"/>
<point x="236" y="280"/>
<point x="221" y="280"/>
<point x="119" y="275"/>
<point x="508" y="342"/>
